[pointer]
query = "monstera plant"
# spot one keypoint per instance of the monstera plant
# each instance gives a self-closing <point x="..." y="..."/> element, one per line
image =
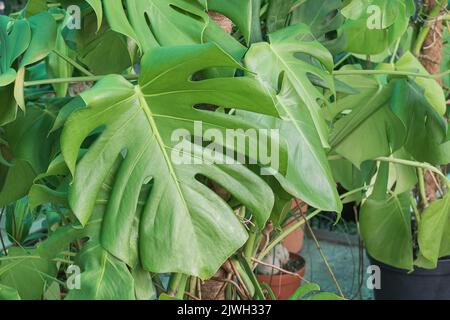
<point x="96" y="205"/>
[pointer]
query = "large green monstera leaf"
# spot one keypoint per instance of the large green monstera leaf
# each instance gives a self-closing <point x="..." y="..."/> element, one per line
<point x="365" y="114"/>
<point x="386" y="229"/>
<point x="102" y="50"/>
<point x="386" y="224"/>
<point x="277" y="14"/>
<point x="417" y="115"/>
<point x="434" y="235"/>
<point x="102" y="276"/>
<point x="244" y="13"/>
<point x="15" y="38"/>
<point x="22" y="43"/>
<point x="153" y="23"/>
<point x="387" y="232"/>
<point x="325" y="20"/>
<point x="27" y="272"/>
<point x="432" y="90"/>
<point x="372" y="26"/>
<point x="308" y="174"/>
<point x="34" y="38"/>
<point x="191" y="227"/>
<point x="292" y="53"/>
<point x="27" y="150"/>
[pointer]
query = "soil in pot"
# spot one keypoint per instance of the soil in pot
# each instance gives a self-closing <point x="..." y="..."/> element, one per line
<point x="421" y="284"/>
<point x="284" y="285"/>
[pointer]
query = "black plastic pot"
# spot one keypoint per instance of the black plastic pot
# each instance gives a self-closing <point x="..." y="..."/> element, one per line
<point x="421" y="284"/>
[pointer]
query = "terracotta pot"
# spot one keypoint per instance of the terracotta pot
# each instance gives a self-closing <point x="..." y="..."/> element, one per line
<point x="284" y="285"/>
<point x="294" y="241"/>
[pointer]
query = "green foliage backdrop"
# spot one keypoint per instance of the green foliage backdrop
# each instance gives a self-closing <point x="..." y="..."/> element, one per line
<point x="87" y="115"/>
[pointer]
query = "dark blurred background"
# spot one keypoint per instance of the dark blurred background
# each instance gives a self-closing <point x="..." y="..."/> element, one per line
<point x="6" y="6"/>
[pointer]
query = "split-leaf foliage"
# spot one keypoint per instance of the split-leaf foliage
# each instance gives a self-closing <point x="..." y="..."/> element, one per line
<point x="87" y="177"/>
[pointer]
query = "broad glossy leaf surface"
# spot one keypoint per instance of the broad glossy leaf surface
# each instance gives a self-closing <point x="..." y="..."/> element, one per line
<point x="193" y="227"/>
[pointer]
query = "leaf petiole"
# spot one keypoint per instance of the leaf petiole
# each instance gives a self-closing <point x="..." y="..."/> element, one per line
<point x="298" y="224"/>
<point x="74" y="80"/>
<point x="389" y="72"/>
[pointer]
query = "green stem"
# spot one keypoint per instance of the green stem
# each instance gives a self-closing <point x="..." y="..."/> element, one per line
<point x="415" y="210"/>
<point x="335" y="157"/>
<point x="296" y="5"/>
<point x="250" y="246"/>
<point x="324" y="258"/>
<point x="409" y="163"/>
<point x="174" y="284"/>
<point x="75" y="64"/>
<point x="423" y="34"/>
<point x="256" y="34"/>
<point x="8" y="258"/>
<point x="74" y="80"/>
<point x="337" y="73"/>
<point x="193" y="286"/>
<point x="342" y="60"/>
<point x="63" y="261"/>
<point x="4" y="250"/>
<point x="389" y="72"/>
<point x="423" y="194"/>
<point x="69" y="253"/>
<point x="182" y="288"/>
<point x="298" y="224"/>
<point x="394" y="54"/>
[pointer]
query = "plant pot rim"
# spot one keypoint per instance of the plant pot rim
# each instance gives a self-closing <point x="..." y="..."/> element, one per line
<point x="281" y="275"/>
<point x="443" y="268"/>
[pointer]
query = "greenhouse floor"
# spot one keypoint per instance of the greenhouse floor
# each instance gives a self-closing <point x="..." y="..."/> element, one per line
<point x="343" y="255"/>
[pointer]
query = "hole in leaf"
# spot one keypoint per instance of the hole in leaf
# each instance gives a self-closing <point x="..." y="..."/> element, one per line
<point x="281" y="79"/>
<point x="214" y="186"/>
<point x="206" y="107"/>
<point x="331" y="35"/>
<point x="150" y="26"/>
<point x="187" y="13"/>
<point x="213" y="73"/>
<point x="92" y="137"/>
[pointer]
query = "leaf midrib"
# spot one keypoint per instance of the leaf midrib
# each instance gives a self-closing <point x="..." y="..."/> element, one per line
<point x="159" y="140"/>
<point x="292" y="74"/>
<point x="297" y="127"/>
<point x="102" y="273"/>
